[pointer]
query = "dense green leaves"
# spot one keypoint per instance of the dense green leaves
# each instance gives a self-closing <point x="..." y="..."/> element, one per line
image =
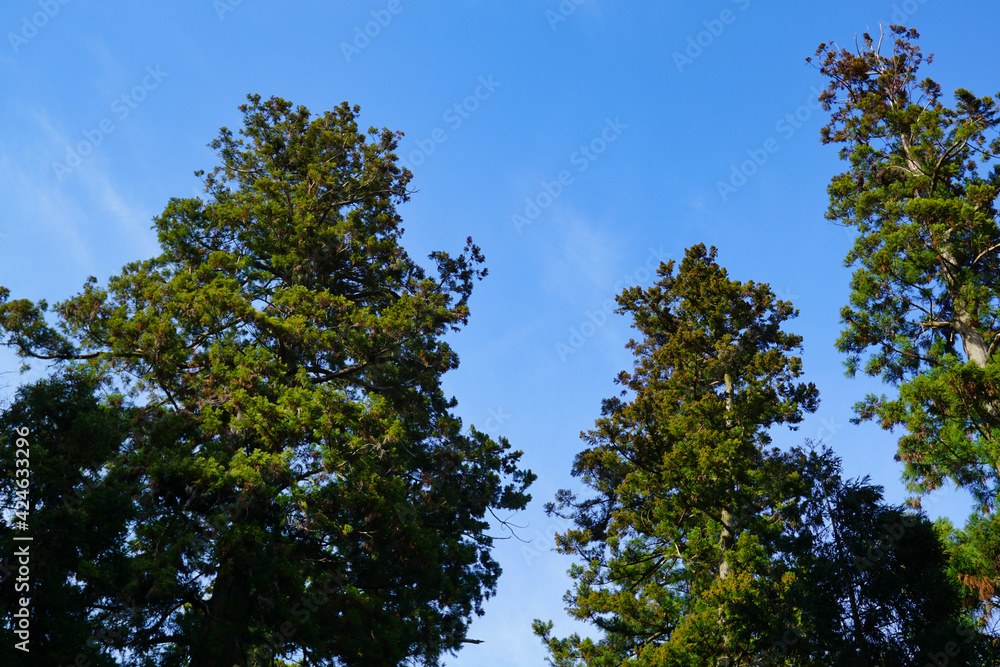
<point x="872" y="581"/>
<point x="679" y="537"/>
<point x="701" y="546"/>
<point x="921" y="191"/>
<point x="244" y="455"/>
<point x="78" y="508"/>
<point x="306" y="492"/>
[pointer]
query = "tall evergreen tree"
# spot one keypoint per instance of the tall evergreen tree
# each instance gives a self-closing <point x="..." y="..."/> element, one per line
<point x="305" y="491"/>
<point x="75" y="509"/>
<point x="872" y="582"/>
<point x="701" y="546"/>
<point x="677" y="540"/>
<point x="921" y="192"/>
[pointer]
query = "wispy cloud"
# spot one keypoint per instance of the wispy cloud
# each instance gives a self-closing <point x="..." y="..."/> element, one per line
<point x="587" y="259"/>
<point x="74" y="219"/>
<point x="43" y="209"/>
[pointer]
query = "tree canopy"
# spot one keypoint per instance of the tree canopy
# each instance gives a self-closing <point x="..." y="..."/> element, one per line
<point x="78" y="510"/>
<point x="700" y="546"/>
<point x="243" y="455"/>
<point x="921" y="191"/>
<point x="679" y="533"/>
<point x="299" y="485"/>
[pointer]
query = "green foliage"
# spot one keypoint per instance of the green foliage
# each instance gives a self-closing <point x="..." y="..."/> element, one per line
<point x="921" y="191"/>
<point x="872" y="581"/>
<point x="677" y="543"/>
<point x="304" y="489"/>
<point x="78" y="511"/>
<point x="702" y="547"/>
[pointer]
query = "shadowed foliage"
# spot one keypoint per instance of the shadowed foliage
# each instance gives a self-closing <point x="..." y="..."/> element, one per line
<point x="701" y="546"/>
<point x="920" y="192"/>
<point x="305" y="492"/>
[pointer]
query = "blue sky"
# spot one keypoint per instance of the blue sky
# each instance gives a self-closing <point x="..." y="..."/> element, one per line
<point x="578" y="143"/>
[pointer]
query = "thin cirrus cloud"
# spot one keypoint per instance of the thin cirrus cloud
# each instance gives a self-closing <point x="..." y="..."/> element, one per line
<point x="76" y="223"/>
<point x="586" y="260"/>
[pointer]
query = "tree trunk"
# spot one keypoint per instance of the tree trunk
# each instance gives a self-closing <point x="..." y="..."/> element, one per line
<point x="222" y="641"/>
<point x="857" y="624"/>
<point x="977" y="350"/>
<point x="727" y="534"/>
<point x="725" y="543"/>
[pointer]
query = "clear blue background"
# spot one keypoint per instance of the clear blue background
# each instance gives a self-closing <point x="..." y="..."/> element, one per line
<point x="685" y="121"/>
